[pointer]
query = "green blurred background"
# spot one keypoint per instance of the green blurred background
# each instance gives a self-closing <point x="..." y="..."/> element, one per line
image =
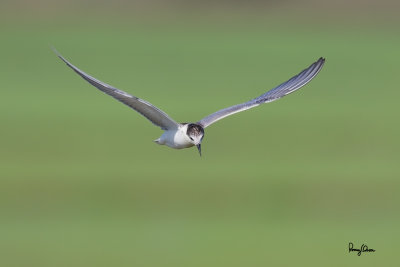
<point x="82" y="183"/>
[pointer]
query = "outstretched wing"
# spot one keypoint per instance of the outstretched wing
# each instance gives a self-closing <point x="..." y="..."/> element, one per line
<point x="152" y="113"/>
<point x="285" y="88"/>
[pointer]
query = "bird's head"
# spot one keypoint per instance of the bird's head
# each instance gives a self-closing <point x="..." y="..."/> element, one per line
<point x="195" y="133"/>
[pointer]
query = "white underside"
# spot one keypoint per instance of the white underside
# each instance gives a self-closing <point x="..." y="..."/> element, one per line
<point x="175" y="138"/>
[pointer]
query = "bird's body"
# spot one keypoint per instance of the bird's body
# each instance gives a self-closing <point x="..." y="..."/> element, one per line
<point x="175" y="138"/>
<point x="184" y="135"/>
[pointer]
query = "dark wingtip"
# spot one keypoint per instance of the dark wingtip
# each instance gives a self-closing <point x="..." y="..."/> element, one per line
<point x="61" y="57"/>
<point x="55" y="51"/>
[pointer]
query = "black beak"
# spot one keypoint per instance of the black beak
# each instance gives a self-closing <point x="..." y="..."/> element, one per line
<point x="199" y="148"/>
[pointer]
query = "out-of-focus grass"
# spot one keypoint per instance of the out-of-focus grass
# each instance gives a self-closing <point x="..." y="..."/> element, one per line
<point x="288" y="183"/>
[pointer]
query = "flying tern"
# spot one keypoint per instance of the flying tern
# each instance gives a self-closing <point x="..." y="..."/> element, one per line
<point x="184" y="135"/>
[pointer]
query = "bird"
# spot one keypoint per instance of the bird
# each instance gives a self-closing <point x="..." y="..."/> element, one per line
<point x="185" y="135"/>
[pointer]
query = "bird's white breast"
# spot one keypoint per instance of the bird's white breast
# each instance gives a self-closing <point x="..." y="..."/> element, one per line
<point x="176" y="138"/>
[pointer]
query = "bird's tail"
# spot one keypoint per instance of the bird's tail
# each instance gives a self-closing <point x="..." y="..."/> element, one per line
<point x="157" y="141"/>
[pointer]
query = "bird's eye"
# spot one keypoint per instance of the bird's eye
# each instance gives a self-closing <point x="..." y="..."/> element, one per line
<point x="191" y="138"/>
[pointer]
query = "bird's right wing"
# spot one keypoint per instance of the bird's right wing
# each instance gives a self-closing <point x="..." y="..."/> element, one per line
<point x="285" y="88"/>
<point x="152" y="113"/>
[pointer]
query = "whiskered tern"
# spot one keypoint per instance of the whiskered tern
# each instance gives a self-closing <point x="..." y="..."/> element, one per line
<point x="184" y="135"/>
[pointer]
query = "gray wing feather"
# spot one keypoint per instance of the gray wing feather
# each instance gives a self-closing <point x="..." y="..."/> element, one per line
<point x="285" y="88"/>
<point x="152" y="113"/>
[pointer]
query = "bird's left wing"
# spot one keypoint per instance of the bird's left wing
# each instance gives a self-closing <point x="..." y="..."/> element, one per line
<point x="285" y="88"/>
<point x="152" y="113"/>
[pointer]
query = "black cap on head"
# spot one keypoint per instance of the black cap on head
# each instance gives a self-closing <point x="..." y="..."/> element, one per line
<point x="194" y="130"/>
